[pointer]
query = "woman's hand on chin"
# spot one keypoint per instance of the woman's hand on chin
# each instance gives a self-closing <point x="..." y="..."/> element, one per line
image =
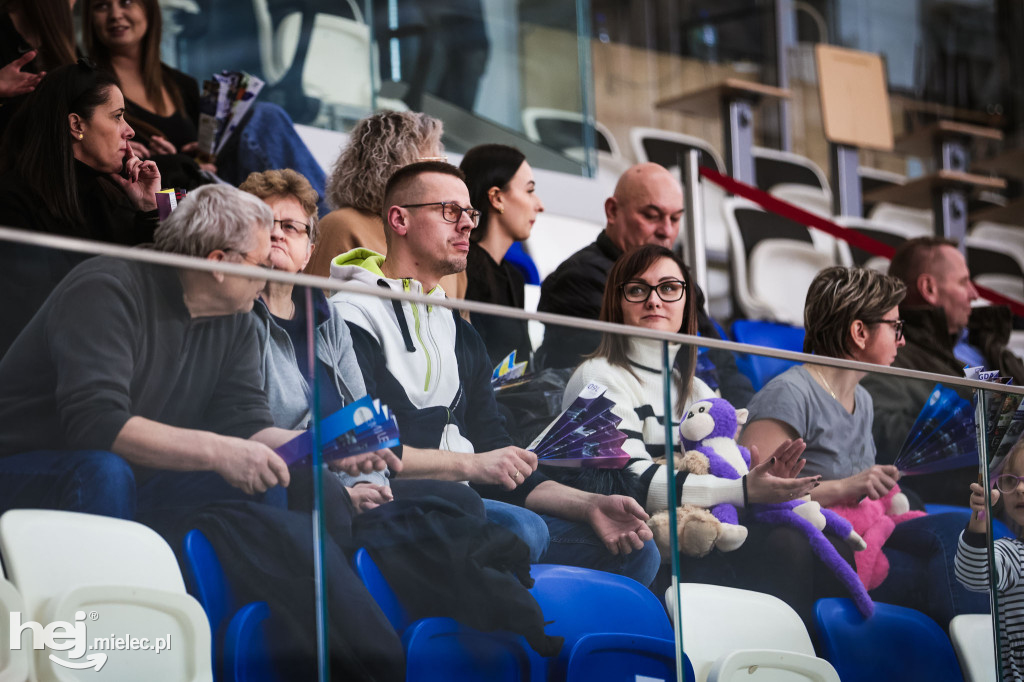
<point x="765" y="487"/>
<point x="142" y="182"/>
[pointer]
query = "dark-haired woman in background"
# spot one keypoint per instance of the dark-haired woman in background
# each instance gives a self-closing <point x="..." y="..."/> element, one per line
<point x="66" y="168"/>
<point x="163" y="103"/>
<point x="502" y="188"/>
<point x="35" y="35"/>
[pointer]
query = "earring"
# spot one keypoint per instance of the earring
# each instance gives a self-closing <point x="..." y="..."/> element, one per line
<point x="81" y="136"/>
<point x="501" y="211"/>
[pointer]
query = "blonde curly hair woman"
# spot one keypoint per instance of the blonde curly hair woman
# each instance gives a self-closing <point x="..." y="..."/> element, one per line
<point x="378" y="146"/>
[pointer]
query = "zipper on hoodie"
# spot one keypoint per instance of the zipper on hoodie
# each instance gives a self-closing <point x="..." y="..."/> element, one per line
<point x="416" y="327"/>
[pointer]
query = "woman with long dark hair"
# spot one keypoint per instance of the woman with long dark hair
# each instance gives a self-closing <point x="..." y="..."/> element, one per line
<point x="502" y="188"/>
<point x="650" y="287"/>
<point x="66" y="168"/>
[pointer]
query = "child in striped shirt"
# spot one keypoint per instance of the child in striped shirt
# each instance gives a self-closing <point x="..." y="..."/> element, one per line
<point x="971" y="562"/>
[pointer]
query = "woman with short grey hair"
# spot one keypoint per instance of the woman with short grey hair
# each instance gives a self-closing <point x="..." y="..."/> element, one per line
<point x="853" y="314"/>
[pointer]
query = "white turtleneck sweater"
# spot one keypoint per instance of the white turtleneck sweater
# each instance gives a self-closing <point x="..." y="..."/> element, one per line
<point x="639" y="401"/>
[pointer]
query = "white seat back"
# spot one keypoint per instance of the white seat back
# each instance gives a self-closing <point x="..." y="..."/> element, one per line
<point x="759" y="664"/>
<point x="14" y="663"/>
<point x="718" y="621"/>
<point x="972" y="640"/>
<point x="109" y="579"/>
<point x="555" y="238"/>
<point x="914" y="222"/>
<point x="780" y="273"/>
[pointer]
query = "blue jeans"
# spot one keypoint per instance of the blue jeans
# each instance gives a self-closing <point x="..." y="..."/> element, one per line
<point x="87" y="481"/>
<point x="268" y="141"/>
<point x="576" y="544"/>
<point x="920" y="553"/>
<point x="530" y="527"/>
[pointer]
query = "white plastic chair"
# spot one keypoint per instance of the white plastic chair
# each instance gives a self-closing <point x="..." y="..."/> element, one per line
<point x="972" y="640"/>
<point x="888" y="233"/>
<point x="772" y="274"/>
<point x="115" y="578"/>
<point x="532" y="116"/>
<point x="918" y="222"/>
<point x="762" y="664"/>
<point x="554" y="238"/>
<point x="1012" y="234"/>
<point x="731" y="634"/>
<point x="997" y="264"/>
<point x="14" y="663"/>
<point x="774" y="168"/>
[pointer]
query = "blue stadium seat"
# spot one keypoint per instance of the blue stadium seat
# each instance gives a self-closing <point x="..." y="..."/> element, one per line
<point x="522" y="262"/>
<point x="443" y="650"/>
<point x="382" y="593"/>
<point x="614" y="627"/>
<point x="999" y="529"/>
<point x="896" y="643"/>
<point x="759" y="369"/>
<point x="237" y="631"/>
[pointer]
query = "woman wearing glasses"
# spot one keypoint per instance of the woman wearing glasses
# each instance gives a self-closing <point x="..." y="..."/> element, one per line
<point x="649" y="287"/>
<point x="853" y="314"/>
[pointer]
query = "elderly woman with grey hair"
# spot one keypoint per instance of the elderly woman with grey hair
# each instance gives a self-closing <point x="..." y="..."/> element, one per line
<point x="283" y="328"/>
<point x="378" y="146"/>
<point x="853" y="314"/>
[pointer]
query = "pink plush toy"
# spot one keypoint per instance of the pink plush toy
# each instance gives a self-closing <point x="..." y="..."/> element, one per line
<point x="875" y="520"/>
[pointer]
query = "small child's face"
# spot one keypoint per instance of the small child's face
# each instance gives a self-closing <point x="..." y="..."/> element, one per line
<point x="1014" y="501"/>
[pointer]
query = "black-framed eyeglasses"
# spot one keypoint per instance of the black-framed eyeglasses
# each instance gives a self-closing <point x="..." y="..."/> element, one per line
<point x="897" y="326"/>
<point x="245" y="258"/>
<point x="669" y="291"/>
<point x="292" y="228"/>
<point x="450" y="211"/>
<point x="1007" y="483"/>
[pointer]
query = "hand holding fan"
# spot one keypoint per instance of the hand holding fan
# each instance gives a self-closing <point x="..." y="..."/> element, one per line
<point x="584" y="435"/>
<point x="362" y="426"/>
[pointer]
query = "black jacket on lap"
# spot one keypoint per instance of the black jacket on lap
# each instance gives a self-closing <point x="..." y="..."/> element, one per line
<point x="445" y="563"/>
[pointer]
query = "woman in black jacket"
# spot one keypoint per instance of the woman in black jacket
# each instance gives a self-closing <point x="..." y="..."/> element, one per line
<point x="66" y="168"/>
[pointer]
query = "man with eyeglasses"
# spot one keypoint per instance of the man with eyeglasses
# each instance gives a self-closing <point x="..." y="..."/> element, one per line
<point x="432" y="369"/>
<point x="134" y="391"/>
<point x="646" y="208"/>
<point x="944" y="334"/>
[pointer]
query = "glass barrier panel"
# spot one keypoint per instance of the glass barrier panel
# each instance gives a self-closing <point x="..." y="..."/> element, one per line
<point x="143" y="504"/>
<point x="444" y="510"/>
<point x="482" y="68"/>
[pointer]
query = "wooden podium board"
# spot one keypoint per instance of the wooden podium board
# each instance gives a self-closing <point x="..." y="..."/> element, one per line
<point x="854" y="98"/>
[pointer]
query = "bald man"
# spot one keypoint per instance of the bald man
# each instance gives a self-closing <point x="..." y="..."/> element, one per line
<point x="646" y="208"/>
<point x="944" y="334"/>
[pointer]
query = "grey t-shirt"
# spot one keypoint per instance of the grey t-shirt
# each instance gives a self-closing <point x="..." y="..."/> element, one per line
<point x="839" y="444"/>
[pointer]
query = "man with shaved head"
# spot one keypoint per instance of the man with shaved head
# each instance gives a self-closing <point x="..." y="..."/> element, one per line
<point x="646" y="208"/>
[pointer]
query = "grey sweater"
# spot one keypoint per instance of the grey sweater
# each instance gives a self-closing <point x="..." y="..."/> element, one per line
<point x="115" y="340"/>
<point x="285" y="384"/>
